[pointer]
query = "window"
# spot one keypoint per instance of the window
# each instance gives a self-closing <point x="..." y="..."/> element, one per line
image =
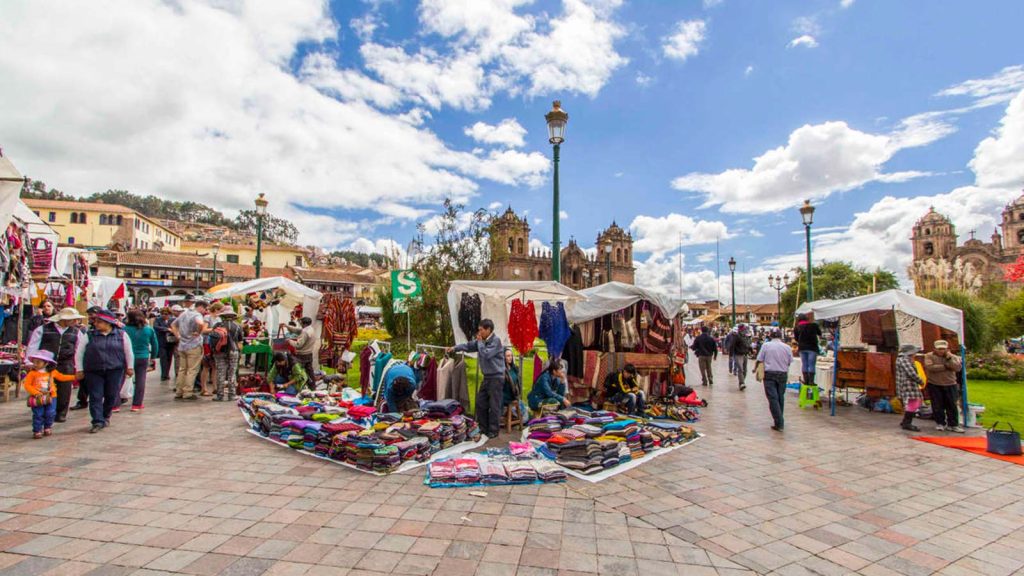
<point x="103" y="219"/>
<point x="232" y="258"/>
<point x="522" y="249"/>
<point x="52" y="217"/>
<point x="618" y="255"/>
<point x="120" y="220"/>
<point x="1020" y="236"/>
<point x="71" y="239"/>
<point x="137" y="224"/>
<point x="81" y="217"/>
<point x="929" y="249"/>
<point x="1020" y="216"/>
<point x="510" y="245"/>
<point x="37" y="212"/>
<point x="146" y="274"/>
<point x="74" y="217"/>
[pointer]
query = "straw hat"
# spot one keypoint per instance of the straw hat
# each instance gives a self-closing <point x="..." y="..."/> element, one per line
<point x="66" y="314"/>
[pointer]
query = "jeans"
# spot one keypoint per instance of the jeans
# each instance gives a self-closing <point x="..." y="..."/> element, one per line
<point x="741" y="369"/>
<point x="807" y="360"/>
<point x="732" y="363"/>
<point x="944" y="405"/>
<point x="104" y="393"/>
<point x="141" y="366"/>
<point x="279" y="381"/>
<point x="42" y="416"/>
<point x="488" y="405"/>
<point x="775" y="391"/>
<point x="166" y="356"/>
<point x="635" y="401"/>
<point x="707" y="376"/>
<point x="189" y="362"/>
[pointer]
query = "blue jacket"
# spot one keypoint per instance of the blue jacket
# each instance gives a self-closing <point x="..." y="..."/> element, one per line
<point x="398" y="370"/>
<point x="491" y="355"/>
<point x="545" y="390"/>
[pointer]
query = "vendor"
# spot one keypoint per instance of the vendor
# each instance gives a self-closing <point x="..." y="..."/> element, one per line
<point x="941" y="368"/>
<point x="286" y="375"/>
<point x="399" y="385"/>
<point x="622" y="387"/>
<point x="306" y="346"/>
<point x="491" y="360"/>
<point x="549" y="388"/>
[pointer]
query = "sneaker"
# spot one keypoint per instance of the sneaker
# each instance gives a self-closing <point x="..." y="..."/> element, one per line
<point x="957" y="429"/>
<point x="178" y="396"/>
<point x="218" y="398"/>
<point x="47" y="432"/>
<point x="743" y="386"/>
<point x="116" y="409"/>
<point x="940" y="428"/>
<point x="777" y="429"/>
<point x="95" y="428"/>
<point x="79" y="406"/>
<point x="192" y="397"/>
<point x="37" y="435"/>
<point x="137" y="408"/>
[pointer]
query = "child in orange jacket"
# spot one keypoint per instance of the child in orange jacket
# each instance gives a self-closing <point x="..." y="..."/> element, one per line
<point x="40" y="385"/>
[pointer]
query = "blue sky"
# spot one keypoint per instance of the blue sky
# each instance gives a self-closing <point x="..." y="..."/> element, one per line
<point x="702" y="120"/>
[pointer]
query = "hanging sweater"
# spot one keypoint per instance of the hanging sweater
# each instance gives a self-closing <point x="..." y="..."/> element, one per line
<point x="522" y="326"/>
<point x="554" y="328"/>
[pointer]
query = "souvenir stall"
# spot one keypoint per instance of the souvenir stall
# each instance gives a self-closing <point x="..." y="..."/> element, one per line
<point x="339" y="323"/>
<point x="104" y="289"/>
<point x="868" y="331"/>
<point x="15" y="277"/>
<point x="621" y="324"/>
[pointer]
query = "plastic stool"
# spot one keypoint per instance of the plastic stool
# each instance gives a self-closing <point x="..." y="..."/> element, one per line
<point x="809" y="395"/>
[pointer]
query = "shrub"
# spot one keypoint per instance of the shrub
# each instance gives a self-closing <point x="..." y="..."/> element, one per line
<point x="995" y="366"/>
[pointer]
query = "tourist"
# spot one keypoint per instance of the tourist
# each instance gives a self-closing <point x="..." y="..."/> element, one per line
<point x="165" y="341"/>
<point x="146" y="347"/>
<point x="103" y="358"/>
<point x="399" y="385"/>
<point x="206" y="370"/>
<point x="941" y="368"/>
<point x="706" y="350"/>
<point x="188" y="328"/>
<point x="306" y="346"/>
<point x="46" y="310"/>
<point x="622" y="388"/>
<point x="727" y="348"/>
<point x="40" y="386"/>
<point x="226" y="345"/>
<point x="776" y="357"/>
<point x="286" y="374"/>
<point x="59" y="336"/>
<point x="738" y="350"/>
<point x="549" y="389"/>
<point x="491" y="359"/>
<point x="807" y="334"/>
<point x="908" y="386"/>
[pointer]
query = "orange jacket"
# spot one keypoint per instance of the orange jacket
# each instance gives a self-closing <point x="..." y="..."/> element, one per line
<point x="35" y="381"/>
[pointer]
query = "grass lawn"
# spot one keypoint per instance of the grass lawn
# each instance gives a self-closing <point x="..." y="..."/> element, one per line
<point x="1003" y="401"/>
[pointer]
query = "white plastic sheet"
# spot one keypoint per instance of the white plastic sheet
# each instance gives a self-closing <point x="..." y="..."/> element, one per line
<point x="614" y="296"/>
<point x="11" y="182"/>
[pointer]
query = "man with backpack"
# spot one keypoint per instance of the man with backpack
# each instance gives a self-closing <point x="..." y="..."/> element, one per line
<point x="225" y="347"/>
<point x="739" y="349"/>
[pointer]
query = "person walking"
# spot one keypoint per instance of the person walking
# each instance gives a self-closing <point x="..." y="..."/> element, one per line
<point x="908" y="386"/>
<point x="42" y="392"/>
<point x="776" y="357"/>
<point x="941" y="368"/>
<point x="59" y="337"/>
<point x="706" y="350"/>
<point x="739" y="348"/>
<point x="188" y="329"/>
<point x="491" y="359"/>
<point x="146" y="347"/>
<point x="103" y="358"/>
<point x="807" y="334"/>
<point x="226" y="347"/>
<point x="306" y="346"/>
<point x="165" y="341"/>
<point x="727" y="348"/>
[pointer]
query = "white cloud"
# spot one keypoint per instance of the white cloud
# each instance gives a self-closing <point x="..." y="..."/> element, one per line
<point x="537" y="245"/>
<point x="748" y="70"/>
<point x="508" y="133"/>
<point x="817" y="161"/>
<point x="807" y="25"/>
<point x="712" y="3"/>
<point x="455" y="79"/>
<point x="658" y="235"/>
<point x="999" y="159"/>
<point x="643" y="80"/>
<point x="685" y="40"/>
<point x="488" y="26"/>
<point x="996" y="89"/>
<point x="705" y="257"/>
<point x="563" y="215"/>
<point x="755" y="233"/>
<point x="505" y="166"/>
<point x="619" y="174"/>
<point x="365" y="26"/>
<point x="385" y="246"/>
<point x="805" y="40"/>
<point x="494" y="206"/>
<point x="320" y="70"/>
<point x="845" y="3"/>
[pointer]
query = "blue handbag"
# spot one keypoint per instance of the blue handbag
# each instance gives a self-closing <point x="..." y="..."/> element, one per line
<point x="1003" y="442"/>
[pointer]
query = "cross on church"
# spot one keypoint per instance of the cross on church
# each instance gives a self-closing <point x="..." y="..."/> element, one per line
<point x="972" y="234"/>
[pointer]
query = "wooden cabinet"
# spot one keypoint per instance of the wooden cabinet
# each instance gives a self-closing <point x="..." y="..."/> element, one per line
<point x="873" y="372"/>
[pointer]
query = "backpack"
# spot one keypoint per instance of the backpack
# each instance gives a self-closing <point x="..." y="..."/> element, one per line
<point x="219" y="339"/>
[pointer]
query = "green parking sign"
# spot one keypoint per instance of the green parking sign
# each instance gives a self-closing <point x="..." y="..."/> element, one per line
<point x="405" y="285"/>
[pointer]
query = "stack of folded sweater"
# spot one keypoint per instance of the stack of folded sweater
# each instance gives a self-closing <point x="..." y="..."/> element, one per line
<point x="543" y="428"/>
<point x="442" y="472"/>
<point x="547" y="471"/>
<point x="521" y="472"/>
<point x="584" y="456"/>
<point x="328" y="432"/>
<point x="609" y="453"/>
<point x="417" y="449"/>
<point x="467" y="471"/>
<point x="493" y="472"/>
<point x="441" y="408"/>
<point x="386" y="459"/>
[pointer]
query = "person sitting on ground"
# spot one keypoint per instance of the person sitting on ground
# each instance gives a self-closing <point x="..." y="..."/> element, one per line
<point x="622" y="388"/>
<point x="513" y="391"/>
<point x="286" y="375"/>
<point x="549" y="389"/>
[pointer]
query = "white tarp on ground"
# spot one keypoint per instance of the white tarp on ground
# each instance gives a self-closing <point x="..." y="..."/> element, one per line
<point x="929" y="310"/>
<point x="614" y="296"/>
<point x="496" y="300"/>
<point x="295" y="294"/>
<point x="11" y="182"/>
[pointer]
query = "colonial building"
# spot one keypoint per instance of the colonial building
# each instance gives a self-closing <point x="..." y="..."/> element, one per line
<point x="271" y="255"/>
<point x="512" y="258"/>
<point x="940" y="263"/>
<point x="357" y="285"/>
<point x="98" y="225"/>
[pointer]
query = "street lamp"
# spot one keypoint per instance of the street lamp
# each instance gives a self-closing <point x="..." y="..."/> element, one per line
<point x="807" y="213"/>
<point x="197" y="276"/>
<point x="261" y="211"/>
<point x="216" y="249"/>
<point x="732" y="273"/>
<point x="778" y="283"/>
<point x="556" y="119"/>
<point x="608" y="261"/>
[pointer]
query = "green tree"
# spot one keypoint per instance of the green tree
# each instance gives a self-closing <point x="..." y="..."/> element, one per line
<point x="834" y="281"/>
<point x="1008" y="321"/>
<point x="274" y="228"/>
<point x="978" y="316"/>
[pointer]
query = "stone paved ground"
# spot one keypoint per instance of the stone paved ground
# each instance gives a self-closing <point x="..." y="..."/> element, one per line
<point x="184" y="489"/>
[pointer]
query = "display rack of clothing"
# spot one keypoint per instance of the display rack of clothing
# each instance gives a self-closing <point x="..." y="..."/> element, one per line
<point x="522" y="326"/>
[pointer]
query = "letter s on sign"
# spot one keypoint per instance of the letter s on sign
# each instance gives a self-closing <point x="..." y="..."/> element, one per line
<point x="407" y="283"/>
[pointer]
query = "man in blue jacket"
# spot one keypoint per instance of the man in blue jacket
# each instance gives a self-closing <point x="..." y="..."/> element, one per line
<point x="491" y="359"/>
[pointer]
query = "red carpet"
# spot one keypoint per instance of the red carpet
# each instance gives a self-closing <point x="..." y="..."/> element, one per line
<point x="975" y="445"/>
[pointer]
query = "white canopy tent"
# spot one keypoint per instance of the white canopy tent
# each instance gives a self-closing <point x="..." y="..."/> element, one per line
<point x="614" y="296"/>
<point x="11" y="182"/>
<point x="496" y="300"/>
<point x="294" y="294"/>
<point x="38" y="229"/>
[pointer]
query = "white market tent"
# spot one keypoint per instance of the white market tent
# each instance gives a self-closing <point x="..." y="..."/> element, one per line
<point x="496" y="300"/>
<point x="294" y="294"/>
<point x="38" y="229"/>
<point x="11" y="182"/>
<point x="614" y="296"/>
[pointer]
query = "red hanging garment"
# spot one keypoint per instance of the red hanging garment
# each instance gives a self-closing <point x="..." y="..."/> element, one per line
<point x="522" y="326"/>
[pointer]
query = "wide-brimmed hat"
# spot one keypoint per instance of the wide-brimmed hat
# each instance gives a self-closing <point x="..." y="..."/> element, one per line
<point x="941" y="345"/>
<point x="44" y="355"/>
<point x="66" y="314"/>
<point x="228" y="312"/>
<point x="177" y="308"/>
<point x="909" y="349"/>
<point x="108" y="317"/>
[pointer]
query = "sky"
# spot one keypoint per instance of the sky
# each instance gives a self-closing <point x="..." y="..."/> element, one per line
<point x="699" y="125"/>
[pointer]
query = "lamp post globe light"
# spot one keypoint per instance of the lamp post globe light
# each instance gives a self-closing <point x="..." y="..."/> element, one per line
<point x="197" y="277"/>
<point x="732" y="273"/>
<point x="608" y="261"/>
<point x="261" y="211"/>
<point x="778" y="283"/>
<point x="807" y="213"/>
<point x="556" y="120"/>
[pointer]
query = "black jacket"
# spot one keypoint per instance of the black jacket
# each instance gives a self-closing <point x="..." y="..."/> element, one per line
<point x="807" y="334"/>
<point x="704" y="345"/>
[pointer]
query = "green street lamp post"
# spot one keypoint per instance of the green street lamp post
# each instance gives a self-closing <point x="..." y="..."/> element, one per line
<point x="732" y="273"/>
<point x="261" y="211"/>
<point x="608" y="261"/>
<point x="216" y="249"/>
<point x="556" y="119"/>
<point x="778" y="283"/>
<point x="807" y="213"/>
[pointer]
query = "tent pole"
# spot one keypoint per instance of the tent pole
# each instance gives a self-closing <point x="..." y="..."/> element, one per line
<point x="963" y="378"/>
<point x="835" y="370"/>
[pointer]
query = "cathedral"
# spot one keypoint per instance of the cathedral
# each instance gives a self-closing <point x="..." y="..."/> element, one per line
<point x="512" y="258"/>
<point x="939" y="263"/>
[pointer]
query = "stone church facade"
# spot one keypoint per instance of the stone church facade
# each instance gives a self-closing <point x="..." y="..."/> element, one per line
<point x="939" y="263"/>
<point x="512" y="258"/>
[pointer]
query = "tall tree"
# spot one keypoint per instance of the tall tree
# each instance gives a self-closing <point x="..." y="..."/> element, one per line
<point x="274" y="228"/>
<point x="834" y="281"/>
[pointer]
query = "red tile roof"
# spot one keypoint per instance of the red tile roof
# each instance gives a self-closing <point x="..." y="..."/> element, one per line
<point x="73" y="205"/>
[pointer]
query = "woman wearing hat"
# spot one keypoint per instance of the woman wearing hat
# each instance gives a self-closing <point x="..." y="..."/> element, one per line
<point x="59" y="336"/>
<point x="103" y="359"/>
<point x="908" y="386"/>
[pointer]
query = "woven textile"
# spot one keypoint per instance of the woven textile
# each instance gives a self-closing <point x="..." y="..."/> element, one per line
<point x="522" y="326"/>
